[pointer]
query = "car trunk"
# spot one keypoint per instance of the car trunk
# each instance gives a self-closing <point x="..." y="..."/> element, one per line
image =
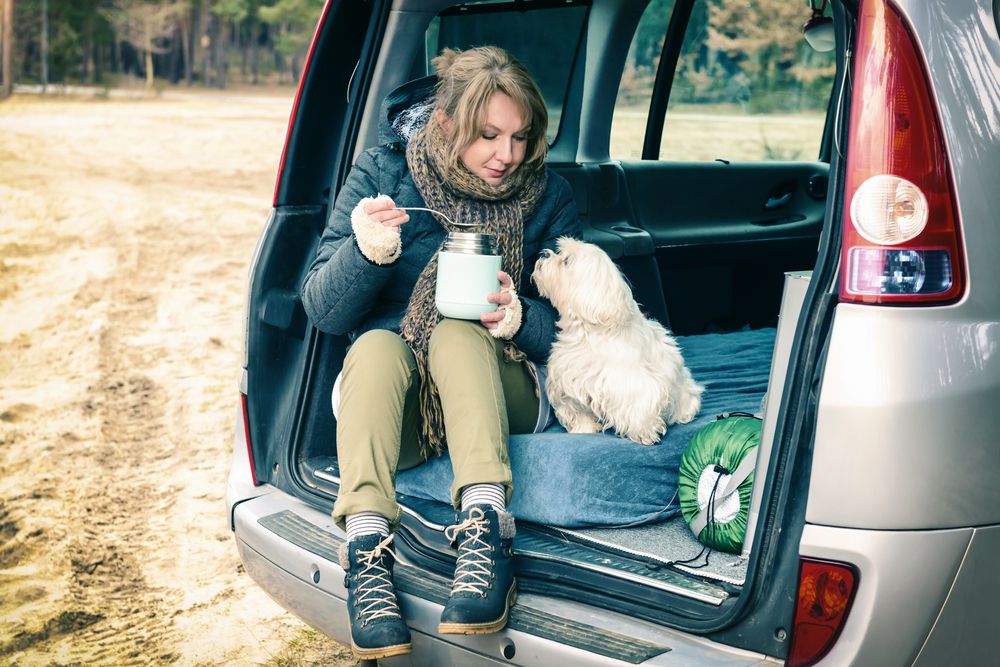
<point x="702" y="263"/>
<point x="656" y="569"/>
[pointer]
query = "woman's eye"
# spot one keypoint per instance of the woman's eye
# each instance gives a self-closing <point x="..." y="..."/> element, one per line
<point x="518" y="137"/>
<point x="489" y="137"/>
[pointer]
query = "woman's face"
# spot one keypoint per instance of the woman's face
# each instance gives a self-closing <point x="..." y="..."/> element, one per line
<point x="502" y="143"/>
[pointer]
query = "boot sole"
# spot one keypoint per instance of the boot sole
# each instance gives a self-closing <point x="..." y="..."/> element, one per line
<point x="381" y="651"/>
<point x="486" y="627"/>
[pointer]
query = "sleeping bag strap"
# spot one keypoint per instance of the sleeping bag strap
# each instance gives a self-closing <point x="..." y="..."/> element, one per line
<point x="742" y="471"/>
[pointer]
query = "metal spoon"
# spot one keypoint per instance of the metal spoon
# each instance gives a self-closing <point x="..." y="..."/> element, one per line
<point x="430" y="210"/>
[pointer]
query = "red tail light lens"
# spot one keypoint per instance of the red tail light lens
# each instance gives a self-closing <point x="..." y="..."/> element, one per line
<point x="246" y="436"/>
<point x="826" y="591"/>
<point x="901" y="236"/>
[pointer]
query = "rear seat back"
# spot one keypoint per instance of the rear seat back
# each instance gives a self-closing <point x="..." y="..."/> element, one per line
<point x="608" y="219"/>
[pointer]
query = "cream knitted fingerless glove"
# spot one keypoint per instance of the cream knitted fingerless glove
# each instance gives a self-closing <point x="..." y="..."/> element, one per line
<point x="508" y="327"/>
<point x="378" y="243"/>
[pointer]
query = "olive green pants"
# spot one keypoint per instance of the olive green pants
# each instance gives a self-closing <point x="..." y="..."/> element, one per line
<point x="484" y="398"/>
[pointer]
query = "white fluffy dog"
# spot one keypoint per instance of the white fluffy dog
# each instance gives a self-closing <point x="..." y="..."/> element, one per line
<point x="610" y="367"/>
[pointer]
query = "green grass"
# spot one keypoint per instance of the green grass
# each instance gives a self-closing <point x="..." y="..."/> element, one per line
<point x="721" y="134"/>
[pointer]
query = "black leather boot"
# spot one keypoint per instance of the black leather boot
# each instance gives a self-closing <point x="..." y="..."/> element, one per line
<point x="484" y="588"/>
<point x="377" y="626"/>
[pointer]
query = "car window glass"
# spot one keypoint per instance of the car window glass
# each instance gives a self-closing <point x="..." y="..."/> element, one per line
<point x="747" y="85"/>
<point x="530" y="34"/>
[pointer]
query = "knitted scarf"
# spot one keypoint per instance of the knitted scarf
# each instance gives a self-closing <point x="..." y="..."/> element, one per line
<point x="461" y="195"/>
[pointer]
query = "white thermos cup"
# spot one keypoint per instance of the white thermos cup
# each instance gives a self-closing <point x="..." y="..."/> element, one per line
<point x="467" y="271"/>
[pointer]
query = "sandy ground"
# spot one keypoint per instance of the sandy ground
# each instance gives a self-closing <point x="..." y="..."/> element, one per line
<point x="126" y="228"/>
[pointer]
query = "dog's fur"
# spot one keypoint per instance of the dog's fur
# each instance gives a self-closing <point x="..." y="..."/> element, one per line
<point x="610" y="367"/>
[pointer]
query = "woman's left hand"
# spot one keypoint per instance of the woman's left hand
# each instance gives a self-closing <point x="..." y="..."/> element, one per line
<point x="503" y="297"/>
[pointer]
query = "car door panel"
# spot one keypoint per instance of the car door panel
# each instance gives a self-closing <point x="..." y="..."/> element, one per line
<point x="724" y="234"/>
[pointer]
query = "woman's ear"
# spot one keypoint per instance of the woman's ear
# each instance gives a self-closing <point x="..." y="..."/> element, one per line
<point x="442" y="118"/>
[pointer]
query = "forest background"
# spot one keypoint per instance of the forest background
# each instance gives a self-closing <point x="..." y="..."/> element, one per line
<point x="731" y="47"/>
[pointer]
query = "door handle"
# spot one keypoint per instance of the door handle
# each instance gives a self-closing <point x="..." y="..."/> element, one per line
<point x="787" y="220"/>
<point x="777" y="201"/>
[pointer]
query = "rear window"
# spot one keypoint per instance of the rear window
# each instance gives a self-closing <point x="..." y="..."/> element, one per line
<point x="543" y="35"/>
<point x="747" y="85"/>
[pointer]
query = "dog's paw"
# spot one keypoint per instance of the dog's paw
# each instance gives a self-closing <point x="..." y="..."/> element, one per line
<point x="687" y="403"/>
<point x="583" y="424"/>
<point x="646" y="431"/>
<point x="687" y="409"/>
<point x="648" y="437"/>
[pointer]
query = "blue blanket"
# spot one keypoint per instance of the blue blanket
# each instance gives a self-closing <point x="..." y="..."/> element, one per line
<point x="562" y="479"/>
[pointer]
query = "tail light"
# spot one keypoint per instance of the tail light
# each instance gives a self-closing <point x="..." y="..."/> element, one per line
<point x="246" y="436"/>
<point x="826" y="591"/>
<point x="901" y="237"/>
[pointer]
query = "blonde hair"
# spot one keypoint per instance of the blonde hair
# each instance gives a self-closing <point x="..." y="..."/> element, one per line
<point x="466" y="81"/>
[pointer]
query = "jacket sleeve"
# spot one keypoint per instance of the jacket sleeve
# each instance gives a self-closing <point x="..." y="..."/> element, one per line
<point x="342" y="285"/>
<point x="538" y="330"/>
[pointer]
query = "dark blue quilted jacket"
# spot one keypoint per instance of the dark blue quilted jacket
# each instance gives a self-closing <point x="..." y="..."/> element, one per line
<point x="344" y="293"/>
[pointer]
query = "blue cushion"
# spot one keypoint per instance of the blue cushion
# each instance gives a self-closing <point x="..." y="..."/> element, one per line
<point x="577" y="480"/>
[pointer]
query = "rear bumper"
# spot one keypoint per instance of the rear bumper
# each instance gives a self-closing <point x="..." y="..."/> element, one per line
<point x="290" y="549"/>
<point x="924" y="597"/>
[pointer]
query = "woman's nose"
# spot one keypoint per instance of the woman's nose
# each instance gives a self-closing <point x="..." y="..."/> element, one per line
<point x="504" y="151"/>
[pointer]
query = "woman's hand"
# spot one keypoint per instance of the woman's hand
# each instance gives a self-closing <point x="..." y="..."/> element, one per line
<point x="375" y="222"/>
<point x="505" y="321"/>
<point x="383" y="210"/>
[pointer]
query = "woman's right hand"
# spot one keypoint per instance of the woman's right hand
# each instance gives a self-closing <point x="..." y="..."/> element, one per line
<point x="383" y="210"/>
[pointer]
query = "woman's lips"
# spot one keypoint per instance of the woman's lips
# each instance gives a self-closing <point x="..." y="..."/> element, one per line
<point x="496" y="173"/>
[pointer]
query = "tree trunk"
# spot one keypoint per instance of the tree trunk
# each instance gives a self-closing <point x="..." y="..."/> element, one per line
<point x="149" y="55"/>
<point x="244" y="46"/>
<point x="98" y="63"/>
<point x="219" y="52"/>
<point x="85" y="63"/>
<point x="205" y="41"/>
<point x="186" y="47"/>
<point x="175" y="60"/>
<point x="117" y="62"/>
<point x="8" y="48"/>
<point x="208" y="46"/>
<point x="255" y="49"/>
<point x="279" y="60"/>
<point x="45" y="44"/>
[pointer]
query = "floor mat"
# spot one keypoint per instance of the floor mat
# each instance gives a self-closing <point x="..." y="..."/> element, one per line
<point x="673" y="542"/>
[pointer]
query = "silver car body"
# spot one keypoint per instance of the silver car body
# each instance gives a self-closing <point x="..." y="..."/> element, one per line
<point x="905" y="471"/>
<point x="907" y="445"/>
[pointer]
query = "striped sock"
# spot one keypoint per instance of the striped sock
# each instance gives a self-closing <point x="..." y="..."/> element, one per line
<point x="366" y="523"/>
<point x="484" y="494"/>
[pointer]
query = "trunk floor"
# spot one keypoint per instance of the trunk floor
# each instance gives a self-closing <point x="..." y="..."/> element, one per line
<point x="671" y="542"/>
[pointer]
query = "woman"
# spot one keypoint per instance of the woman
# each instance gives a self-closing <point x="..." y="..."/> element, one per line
<point x="414" y="382"/>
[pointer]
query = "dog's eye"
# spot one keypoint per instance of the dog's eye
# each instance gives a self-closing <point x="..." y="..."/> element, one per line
<point x="565" y="259"/>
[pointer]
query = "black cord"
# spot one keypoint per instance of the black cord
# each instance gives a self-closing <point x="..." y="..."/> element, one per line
<point x="710" y="526"/>
<point x="727" y="415"/>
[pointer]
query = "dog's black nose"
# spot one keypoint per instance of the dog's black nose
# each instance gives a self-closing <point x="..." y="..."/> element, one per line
<point x="545" y="253"/>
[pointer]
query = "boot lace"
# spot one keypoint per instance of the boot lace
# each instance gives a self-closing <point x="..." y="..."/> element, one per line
<point x="375" y="596"/>
<point x="473" y="573"/>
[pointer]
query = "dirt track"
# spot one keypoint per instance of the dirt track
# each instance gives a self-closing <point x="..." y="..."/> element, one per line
<point x="125" y="233"/>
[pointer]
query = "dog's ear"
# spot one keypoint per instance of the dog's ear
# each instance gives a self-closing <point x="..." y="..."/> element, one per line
<point x="602" y="296"/>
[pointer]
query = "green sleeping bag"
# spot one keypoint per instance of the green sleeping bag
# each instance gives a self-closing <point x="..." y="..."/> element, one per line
<point x="715" y="480"/>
